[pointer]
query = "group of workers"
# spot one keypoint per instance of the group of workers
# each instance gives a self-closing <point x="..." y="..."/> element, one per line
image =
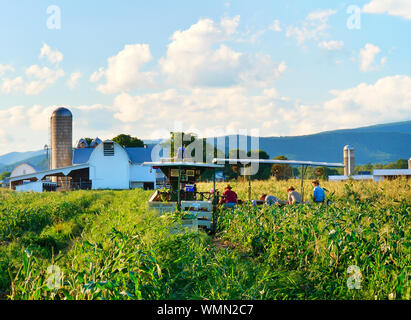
<point x="229" y="197"/>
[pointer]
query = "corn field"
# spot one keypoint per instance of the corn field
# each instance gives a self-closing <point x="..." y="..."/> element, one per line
<point x="108" y="245"/>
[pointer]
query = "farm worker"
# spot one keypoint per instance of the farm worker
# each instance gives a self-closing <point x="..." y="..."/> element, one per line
<point x="318" y="192"/>
<point x="230" y="197"/>
<point x="269" y="199"/>
<point x="293" y="196"/>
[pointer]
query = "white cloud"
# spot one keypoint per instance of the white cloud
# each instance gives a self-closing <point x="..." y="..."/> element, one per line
<point x="43" y="77"/>
<point x="124" y="70"/>
<point x="49" y="76"/>
<point x="389" y="99"/>
<point x="37" y="78"/>
<point x="312" y="28"/>
<point x="4" y="68"/>
<point x="11" y="85"/>
<point x="216" y="109"/>
<point x="367" y="56"/>
<point x="192" y="60"/>
<point x="275" y="26"/>
<point x="200" y="57"/>
<point x="331" y="45"/>
<point x="73" y="79"/>
<point x="97" y="75"/>
<point x="27" y="126"/>
<point x="53" y="56"/>
<point x="400" y="8"/>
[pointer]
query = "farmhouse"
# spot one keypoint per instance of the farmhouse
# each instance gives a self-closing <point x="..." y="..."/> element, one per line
<point x="102" y="165"/>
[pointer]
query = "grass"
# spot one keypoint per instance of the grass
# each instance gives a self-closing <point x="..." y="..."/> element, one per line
<point x="108" y="245"/>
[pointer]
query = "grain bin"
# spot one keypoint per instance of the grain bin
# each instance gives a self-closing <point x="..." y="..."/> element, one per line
<point x="349" y="160"/>
<point x="61" y="138"/>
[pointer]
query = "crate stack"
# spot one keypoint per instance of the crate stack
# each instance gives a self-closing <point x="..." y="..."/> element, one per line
<point x="200" y="210"/>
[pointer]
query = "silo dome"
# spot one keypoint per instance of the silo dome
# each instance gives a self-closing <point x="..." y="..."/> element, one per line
<point x="348" y="147"/>
<point x="62" y="112"/>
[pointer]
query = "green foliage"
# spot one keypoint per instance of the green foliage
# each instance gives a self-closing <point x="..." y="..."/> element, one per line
<point x="281" y="171"/>
<point x="125" y="140"/>
<point x="108" y="245"/>
<point x="5" y="174"/>
<point x="88" y="140"/>
<point x="399" y="164"/>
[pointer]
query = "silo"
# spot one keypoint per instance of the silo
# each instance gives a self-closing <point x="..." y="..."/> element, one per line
<point x="409" y="163"/>
<point x="349" y="161"/>
<point x="61" y="138"/>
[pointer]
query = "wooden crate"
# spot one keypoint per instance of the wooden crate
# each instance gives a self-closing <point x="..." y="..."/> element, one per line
<point x="196" y="206"/>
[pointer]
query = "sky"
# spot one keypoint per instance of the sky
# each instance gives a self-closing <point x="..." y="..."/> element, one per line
<point x="268" y="68"/>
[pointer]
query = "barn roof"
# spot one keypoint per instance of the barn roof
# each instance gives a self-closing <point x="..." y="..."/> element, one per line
<point x="82" y="155"/>
<point x="136" y="155"/>
<point x="139" y="155"/>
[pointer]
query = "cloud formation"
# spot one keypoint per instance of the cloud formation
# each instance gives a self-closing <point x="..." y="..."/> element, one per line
<point x="313" y="27"/>
<point x="399" y="8"/>
<point x="124" y="70"/>
<point x="367" y="57"/>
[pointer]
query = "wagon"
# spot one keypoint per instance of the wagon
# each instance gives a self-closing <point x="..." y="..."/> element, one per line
<point x="197" y="208"/>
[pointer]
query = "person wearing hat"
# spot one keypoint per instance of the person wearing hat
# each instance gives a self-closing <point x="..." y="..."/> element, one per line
<point x="318" y="192"/>
<point x="230" y="197"/>
<point x="270" y="199"/>
<point x="293" y="196"/>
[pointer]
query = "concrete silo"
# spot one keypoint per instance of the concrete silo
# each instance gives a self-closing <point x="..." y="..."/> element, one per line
<point x="349" y="160"/>
<point x="61" y="138"/>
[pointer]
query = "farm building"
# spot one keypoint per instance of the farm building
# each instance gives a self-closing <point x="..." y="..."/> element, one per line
<point x="108" y="166"/>
<point x="22" y="169"/>
<point x="390" y="174"/>
<point x="102" y="165"/>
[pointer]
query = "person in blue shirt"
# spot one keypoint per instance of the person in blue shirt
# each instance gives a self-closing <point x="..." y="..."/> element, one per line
<point x="318" y="192"/>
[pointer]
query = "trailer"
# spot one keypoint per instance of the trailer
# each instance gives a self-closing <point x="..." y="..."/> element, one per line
<point x="197" y="208"/>
<point x="37" y="186"/>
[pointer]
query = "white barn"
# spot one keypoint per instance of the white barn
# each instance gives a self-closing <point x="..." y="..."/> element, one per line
<point x="107" y="166"/>
<point x="22" y="169"/>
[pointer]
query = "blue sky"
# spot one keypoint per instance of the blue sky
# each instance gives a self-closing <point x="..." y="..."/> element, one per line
<point x="146" y="67"/>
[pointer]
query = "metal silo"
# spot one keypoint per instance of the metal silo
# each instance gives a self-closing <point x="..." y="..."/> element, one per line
<point x="61" y="138"/>
<point x="349" y="161"/>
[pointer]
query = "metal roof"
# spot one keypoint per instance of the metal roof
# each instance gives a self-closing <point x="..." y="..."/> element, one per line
<point x="292" y="162"/>
<point x="82" y="155"/>
<point x="392" y="172"/>
<point x="182" y="164"/>
<point x="41" y="174"/>
<point x="136" y="155"/>
<point x="139" y="155"/>
<point x="62" y="112"/>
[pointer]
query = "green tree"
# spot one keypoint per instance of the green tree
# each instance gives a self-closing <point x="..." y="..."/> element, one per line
<point x="264" y="169"/>
<point x="281" y="171"/>
<point x="88" y="140"/>
<point x="128" y="141"/>
<point x="4" y="175"/>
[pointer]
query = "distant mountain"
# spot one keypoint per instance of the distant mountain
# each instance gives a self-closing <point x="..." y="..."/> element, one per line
<point x="13" y="157"/>
<point x="39" y="162"/>
<point x="398" y="127"/>
<point x="382" y="143"/>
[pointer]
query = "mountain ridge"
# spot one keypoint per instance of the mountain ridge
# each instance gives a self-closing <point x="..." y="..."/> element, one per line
<point x="381" y="143"/>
